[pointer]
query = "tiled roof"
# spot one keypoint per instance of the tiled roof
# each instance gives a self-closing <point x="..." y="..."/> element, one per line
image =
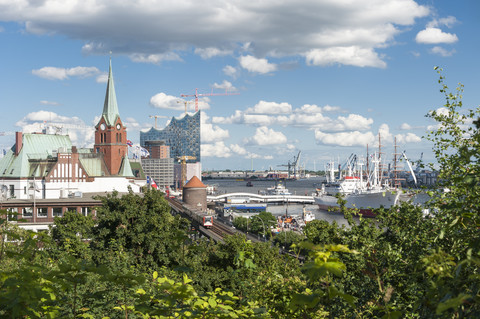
<point x="194" y="183"/>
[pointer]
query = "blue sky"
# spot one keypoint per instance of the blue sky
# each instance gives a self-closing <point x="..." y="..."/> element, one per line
<point x="322" y="77"/>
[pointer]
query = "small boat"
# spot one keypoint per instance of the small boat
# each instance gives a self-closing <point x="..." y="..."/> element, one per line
<point x="278" y="189"/>
<point x="307" y="216"/>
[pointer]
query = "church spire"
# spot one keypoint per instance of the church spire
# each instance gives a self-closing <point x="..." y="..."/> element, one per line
<point x="110" y="107"/>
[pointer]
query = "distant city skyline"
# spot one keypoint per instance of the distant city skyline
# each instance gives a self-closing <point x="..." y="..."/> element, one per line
<point x="315" y="76"/>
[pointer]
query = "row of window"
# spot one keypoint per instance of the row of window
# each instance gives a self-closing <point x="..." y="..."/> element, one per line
<point x="42" y="212"/>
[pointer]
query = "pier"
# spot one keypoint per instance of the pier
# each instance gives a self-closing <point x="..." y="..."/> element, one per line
<point x="250" y="197"/>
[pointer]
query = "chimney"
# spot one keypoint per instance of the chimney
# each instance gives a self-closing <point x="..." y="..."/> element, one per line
<point x="18" y="142"/>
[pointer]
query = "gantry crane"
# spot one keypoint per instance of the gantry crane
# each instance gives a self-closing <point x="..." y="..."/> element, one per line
<point x="293" y="164"/>
<point x="183" y="161"/>
<point x="196" y="95"/>
<point x="156" y="117"/>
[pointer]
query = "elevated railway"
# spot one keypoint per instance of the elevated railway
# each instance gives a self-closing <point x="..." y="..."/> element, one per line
<point x="216" y="231"/>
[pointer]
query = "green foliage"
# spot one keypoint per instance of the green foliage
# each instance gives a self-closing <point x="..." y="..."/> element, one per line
<point x="403" y="263"/>
<point x="72" y="233"/>
<point x="180" y="300"/>
<point x="140" y="226"/>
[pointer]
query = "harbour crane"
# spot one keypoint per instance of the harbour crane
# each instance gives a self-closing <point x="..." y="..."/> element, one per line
<point x="292" y="164"/>
<point x="196" y="95"/>
<point x="295" y="164"/>
<point x="183" y="161"/>
<point x="156" y="117"/>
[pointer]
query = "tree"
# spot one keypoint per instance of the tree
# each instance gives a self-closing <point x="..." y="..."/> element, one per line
<point x="72" y="234"/>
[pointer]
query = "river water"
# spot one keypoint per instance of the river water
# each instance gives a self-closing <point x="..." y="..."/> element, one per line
<point x="298" y="187"/>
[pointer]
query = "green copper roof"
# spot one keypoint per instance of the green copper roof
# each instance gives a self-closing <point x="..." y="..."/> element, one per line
<point x="110" y="107"/>
<point x="35" y="147"/>
<point x="125" y="169"/>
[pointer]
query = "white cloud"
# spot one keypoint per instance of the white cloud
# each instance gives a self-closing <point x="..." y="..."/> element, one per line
<point x="241" y="151"/>
<point x="264" y="107"/>
<point x="307" y="116"/>
<point x="352" y="55"/>
<point x="225" y="85"/>
<point x="385" y="135"/>
<point x="155" y="58"/>
<point x="442" y="52"/>
<point x="345" y="138"/>
<point x="265" y="136"/>
<point x="211" y="52"/>
<point x="54" y="73"/>
<point x="218" y="149"/>
<point x="230" y="71"/>
<point x="407" y="138"/>
<point x="448" y="22"/>
<point x="170" y="102"/>
<point x="52" y="103"/>
<point x="154" y="31"/>
<point x="210" y="133"/>
<point x="434" y="35"/>
<point x="442" y="111"/>
<point x="405" y="126"/>
<point x="311" y="109"/>
<point x="102" y="78"/>
<point x="253" y="64"/>
<point x="164" y="101"/>
<point x="81" y="135"/>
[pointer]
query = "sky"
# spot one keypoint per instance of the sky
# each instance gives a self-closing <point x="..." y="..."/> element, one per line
<point x="322" y="78"/>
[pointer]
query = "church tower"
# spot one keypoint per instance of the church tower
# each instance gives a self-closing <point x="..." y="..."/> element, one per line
<point x="110" y="134"/>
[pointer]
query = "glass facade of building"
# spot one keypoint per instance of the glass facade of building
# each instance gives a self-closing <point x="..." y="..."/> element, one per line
<point x="182" y="135"/>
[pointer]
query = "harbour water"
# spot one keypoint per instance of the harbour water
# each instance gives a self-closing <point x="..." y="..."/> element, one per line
<point x="297" y="187"/>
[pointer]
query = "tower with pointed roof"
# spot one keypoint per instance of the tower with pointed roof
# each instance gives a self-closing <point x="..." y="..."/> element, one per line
<point x="110" y="134"/>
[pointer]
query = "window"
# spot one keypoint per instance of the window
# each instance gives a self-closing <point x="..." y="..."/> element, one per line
<point x="27" y="212"/>
<point x="11" y="214"/>
<point x="57" y="211"/>
<point x="72" y="209"/>
<point x="12" y="191"/>
<point x="25" y="190"/>
<point x="84" y="211"/>
<point x="42" y="212"/>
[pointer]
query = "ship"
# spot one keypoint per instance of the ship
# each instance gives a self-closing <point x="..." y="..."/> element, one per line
<point x="365" y="191"/>
<point x="278" y="189"/>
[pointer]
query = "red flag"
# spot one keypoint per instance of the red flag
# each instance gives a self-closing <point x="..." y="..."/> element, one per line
<point x="154" y="185"/>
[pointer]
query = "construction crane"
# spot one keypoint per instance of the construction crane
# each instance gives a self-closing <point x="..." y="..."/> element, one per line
<point x="183" y="161"/>
<point x="196" y="95"/>
<point x="185" y="102"/>
<point x="156" y="117"/>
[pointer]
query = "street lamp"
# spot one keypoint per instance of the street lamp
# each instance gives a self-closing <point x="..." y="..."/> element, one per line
<point x="263" y="224"/>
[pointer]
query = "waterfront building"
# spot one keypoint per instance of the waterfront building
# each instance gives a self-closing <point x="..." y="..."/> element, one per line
<point x="182" y="136"/>
<point x="44" y="166"/>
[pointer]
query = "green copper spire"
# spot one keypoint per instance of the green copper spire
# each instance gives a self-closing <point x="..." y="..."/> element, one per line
<point x="110" y="107"/>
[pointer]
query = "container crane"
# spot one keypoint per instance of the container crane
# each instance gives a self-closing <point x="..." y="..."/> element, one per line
<point x="196" y="95"/>
<point x="183" y="161"/>
<point x="295" y="164"/>
<point x="292" y="164"/>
